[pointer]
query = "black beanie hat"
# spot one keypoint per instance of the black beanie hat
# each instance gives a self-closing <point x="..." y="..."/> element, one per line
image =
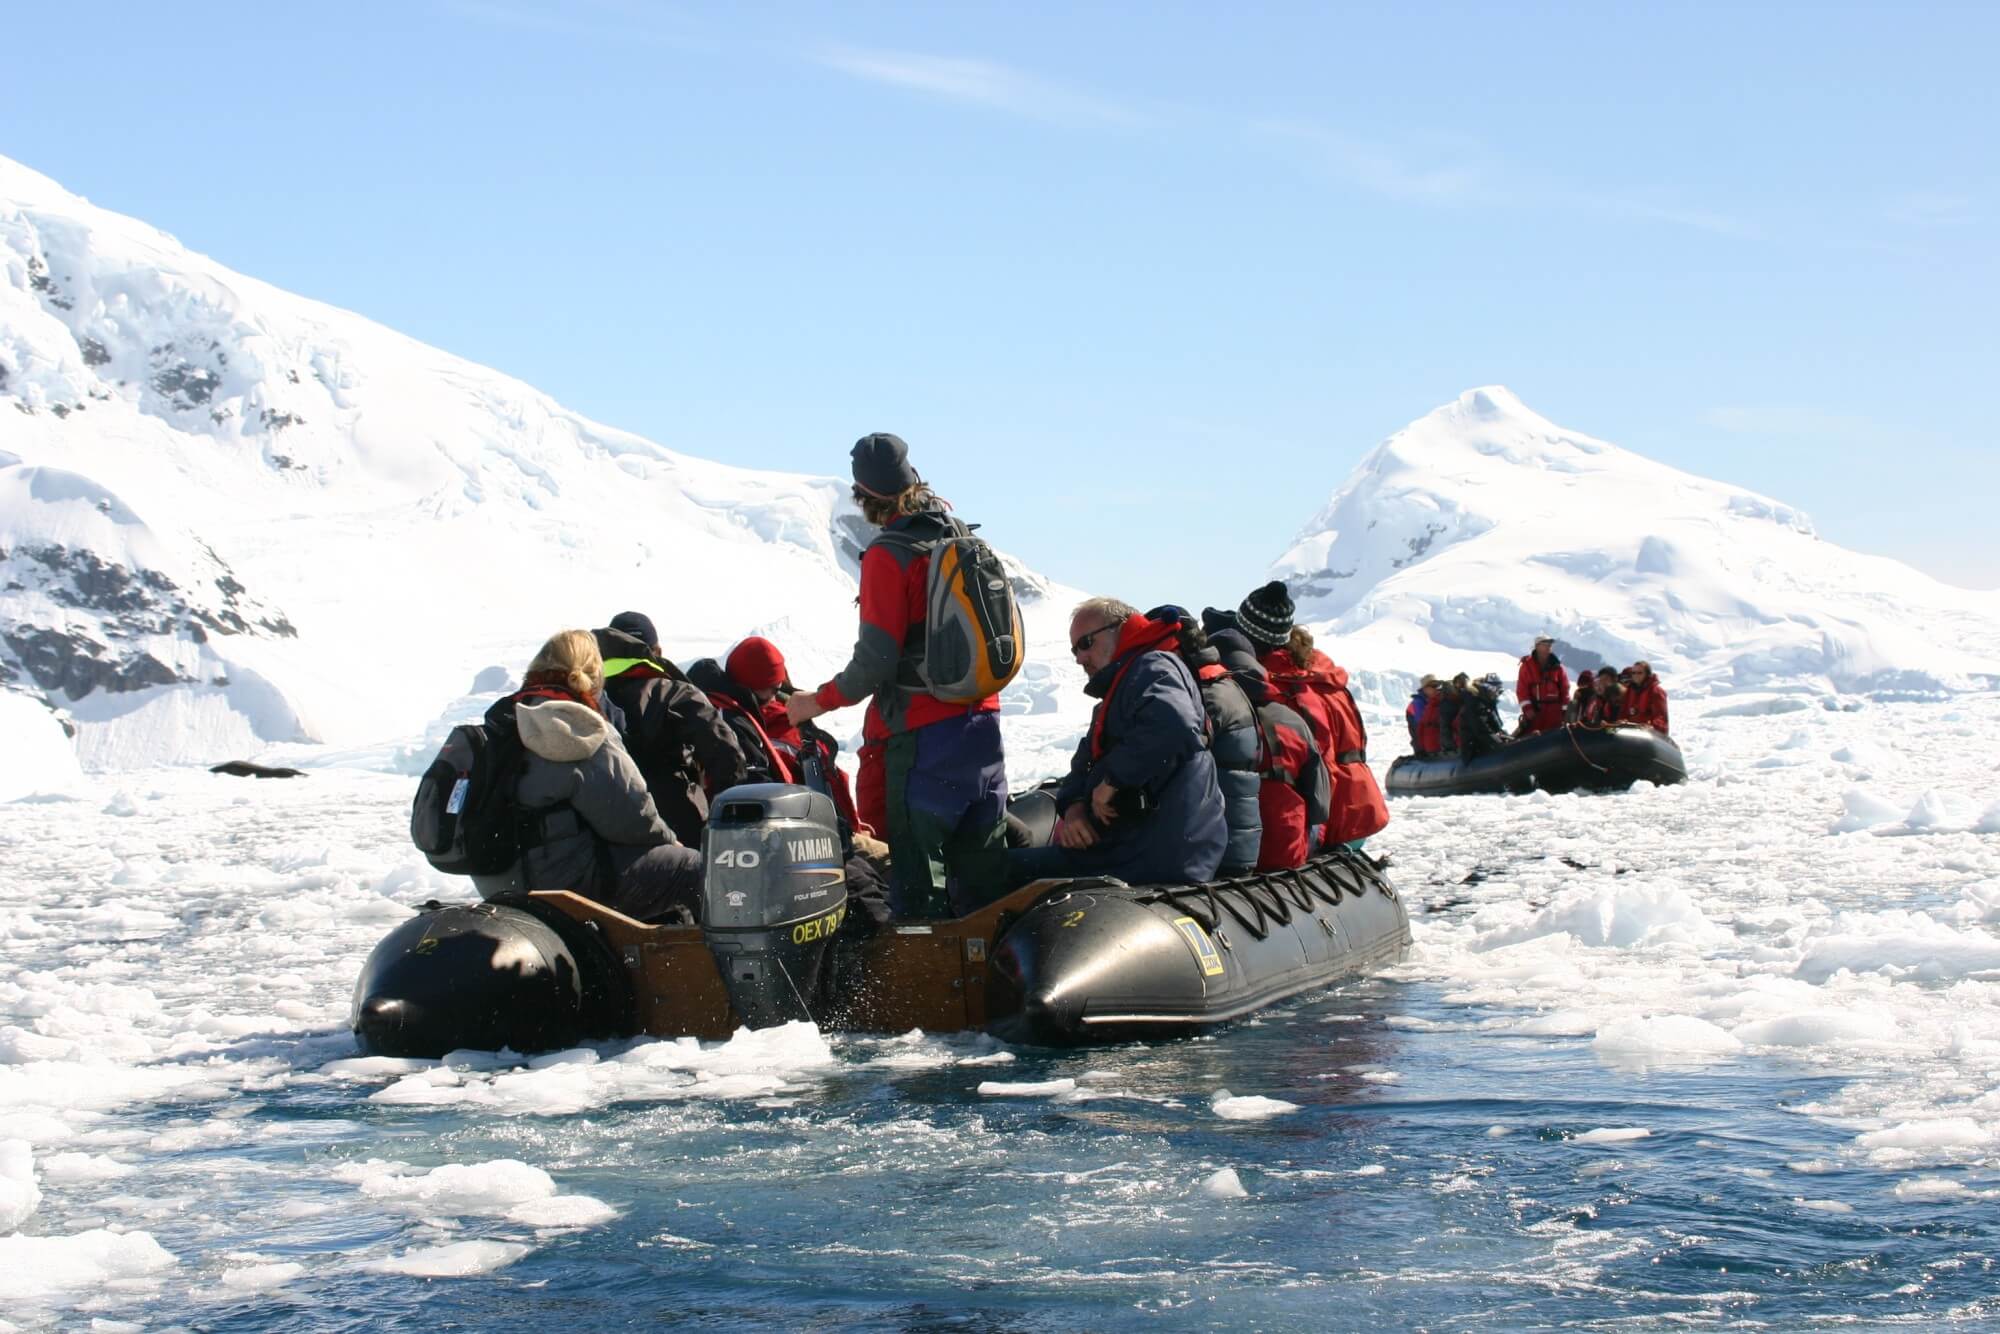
<point x="1266" y="615"/>
<point x="638" y="625"/>
<point x="882" y="465"/>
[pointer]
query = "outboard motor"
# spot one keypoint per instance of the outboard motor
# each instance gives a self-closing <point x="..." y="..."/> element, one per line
<point x="774" y="894"/>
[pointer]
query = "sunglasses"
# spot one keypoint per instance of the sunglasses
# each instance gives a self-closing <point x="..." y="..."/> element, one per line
<point x="1083" y="642"/>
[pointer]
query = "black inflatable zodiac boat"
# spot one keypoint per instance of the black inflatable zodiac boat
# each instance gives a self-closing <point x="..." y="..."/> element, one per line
<point x="1569" y="759"/>
<point x="1056" y="963"/>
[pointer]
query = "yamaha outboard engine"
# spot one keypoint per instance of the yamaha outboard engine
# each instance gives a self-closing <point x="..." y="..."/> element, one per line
<point x="774" y="895"/>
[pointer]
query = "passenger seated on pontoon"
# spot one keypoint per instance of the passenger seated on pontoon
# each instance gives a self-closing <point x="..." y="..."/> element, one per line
<point x="1606" y="703"/>
<point x="1422" y="717"/>
<point x="588" y="823"/>
<point x="1645" y="700"/>
<point x="1295" y="790"/>
<point x="1586" y="686"/>
<point x="1479" y="729"/>
<point x="685" y="750"/>
<point x="1452" y="696"/>
<point x="1141" y="801"/>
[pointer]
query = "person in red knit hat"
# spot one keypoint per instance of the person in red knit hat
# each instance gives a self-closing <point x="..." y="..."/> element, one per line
<point x="750" y="688"/>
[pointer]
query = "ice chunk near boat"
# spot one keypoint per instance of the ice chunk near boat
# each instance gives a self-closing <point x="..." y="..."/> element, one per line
<point x="20" y="1194"/>
<point x="458" y="1259"/>
<point x="1248" y="1107"/>
<point x="1225" y="1184"/>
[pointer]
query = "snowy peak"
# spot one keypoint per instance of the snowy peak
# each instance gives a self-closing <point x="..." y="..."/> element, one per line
<point x="1483" y="523"/>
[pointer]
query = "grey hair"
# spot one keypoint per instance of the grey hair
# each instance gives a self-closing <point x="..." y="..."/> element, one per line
<point x="1109" y="610"/>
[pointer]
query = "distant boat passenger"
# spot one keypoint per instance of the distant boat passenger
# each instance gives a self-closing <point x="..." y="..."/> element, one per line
<point x="1542" y="687"/>
<point x="1645" y="698"/>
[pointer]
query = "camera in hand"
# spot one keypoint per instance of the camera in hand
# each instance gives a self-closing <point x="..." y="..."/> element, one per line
<point x="1132" y="803"/>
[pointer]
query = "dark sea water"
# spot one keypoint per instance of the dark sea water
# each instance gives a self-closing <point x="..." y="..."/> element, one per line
<point x="1467" y="1191"/>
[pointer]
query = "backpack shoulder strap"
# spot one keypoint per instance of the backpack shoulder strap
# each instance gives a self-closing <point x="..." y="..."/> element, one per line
<point x="953" y="528"/>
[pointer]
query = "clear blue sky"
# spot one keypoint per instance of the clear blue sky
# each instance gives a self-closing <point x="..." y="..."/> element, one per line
<point x="1140" y="283"/>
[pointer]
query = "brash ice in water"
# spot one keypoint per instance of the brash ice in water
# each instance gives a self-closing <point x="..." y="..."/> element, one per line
<point x="1718" y="1052"/>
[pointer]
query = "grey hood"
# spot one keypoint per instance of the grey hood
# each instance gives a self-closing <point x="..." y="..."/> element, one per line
<point x="560" y="729"/>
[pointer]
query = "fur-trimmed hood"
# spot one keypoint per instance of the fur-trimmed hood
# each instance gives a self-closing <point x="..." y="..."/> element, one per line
<point x="561" y="729"/>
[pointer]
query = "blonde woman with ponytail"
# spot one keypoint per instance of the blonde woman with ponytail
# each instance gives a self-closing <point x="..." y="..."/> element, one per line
<point x="570" y="662"/>
<point x="588" y="823"/>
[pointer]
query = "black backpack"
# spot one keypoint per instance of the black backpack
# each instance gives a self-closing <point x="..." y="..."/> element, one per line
<point x="464" y="819"/>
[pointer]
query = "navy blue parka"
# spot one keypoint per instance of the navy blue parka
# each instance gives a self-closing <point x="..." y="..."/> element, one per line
<point x="1149" y="734"/>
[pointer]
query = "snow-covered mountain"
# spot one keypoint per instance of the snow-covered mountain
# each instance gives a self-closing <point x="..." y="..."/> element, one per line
<point x="230" y="516"/>
<point x="1473" y="528"/>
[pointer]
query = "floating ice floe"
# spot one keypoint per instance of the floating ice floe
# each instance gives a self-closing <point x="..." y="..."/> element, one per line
<point x="994" y="1088"/>
<point x="33" y="1268"/>
<point x="1940" y="1139"/>
<point x="1225" y="1184"/>
<point x="1676" y="1035"/>
<point x="1248" y="1107"/>
<point x="243" y="1279"/>
<point x="505" y="1187"/>
<point x="1929" y="1188"/>
<point x="752" y="1064"/>
<point x="1614" y="917"/>
<point x="1611" y="1135"/>
<point x="1899" y="943"/>
<point x="458" y="1259"/>
<point x="19" y="1192"/>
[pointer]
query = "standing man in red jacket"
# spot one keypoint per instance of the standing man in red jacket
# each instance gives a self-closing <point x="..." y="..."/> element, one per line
<point x="1542" y="688"/>
<point x="943" y="773"/>
<point x="1645" y="700"/>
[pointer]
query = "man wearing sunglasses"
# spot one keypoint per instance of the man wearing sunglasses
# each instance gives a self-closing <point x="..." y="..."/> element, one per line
<point x="1645" y="699"/>
<point x="1141" y="801"/>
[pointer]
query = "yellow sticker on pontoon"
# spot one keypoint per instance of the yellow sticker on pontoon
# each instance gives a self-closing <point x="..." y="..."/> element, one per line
<point x="1204" y="948"/>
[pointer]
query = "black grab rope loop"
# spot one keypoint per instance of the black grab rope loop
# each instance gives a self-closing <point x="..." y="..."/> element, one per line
<point x="1179" y="899"/>
<point x="1260" y="902"/>
<point x="1320" y="883"/>
<point x="1570" y="732"/>
<point x="1299" y="892"/>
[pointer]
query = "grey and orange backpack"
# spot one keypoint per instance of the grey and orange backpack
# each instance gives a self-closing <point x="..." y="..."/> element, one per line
<point x="973" y="639"/>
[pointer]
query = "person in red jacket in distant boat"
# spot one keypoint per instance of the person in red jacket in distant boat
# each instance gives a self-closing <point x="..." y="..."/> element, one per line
<point x="943" y="776"/>
<point x="1420" y="715"/>
<point x="1542" y="687"/>
<point x="1605" y="704"/>
<point x="1645" y="699"/>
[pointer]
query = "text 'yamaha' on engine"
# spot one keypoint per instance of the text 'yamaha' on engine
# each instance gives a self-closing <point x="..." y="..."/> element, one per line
<point x="774" y="895"/>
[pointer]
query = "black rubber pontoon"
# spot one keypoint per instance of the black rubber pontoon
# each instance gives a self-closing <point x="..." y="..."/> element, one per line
<point x="510" y="973"/>
<point x="1101" y="961"/>
<point x="1569" y="759"/>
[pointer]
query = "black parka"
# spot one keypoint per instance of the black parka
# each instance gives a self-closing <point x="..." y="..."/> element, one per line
<point x="681" y="743"/>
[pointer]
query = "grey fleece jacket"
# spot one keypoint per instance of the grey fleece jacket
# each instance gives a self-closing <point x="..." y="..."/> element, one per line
<point x="575" y="757"/>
